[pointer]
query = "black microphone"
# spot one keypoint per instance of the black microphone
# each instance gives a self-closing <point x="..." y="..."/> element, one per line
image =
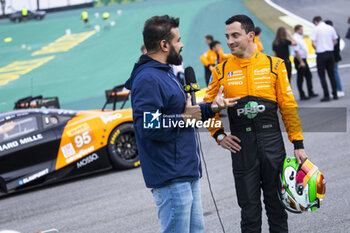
<point x="191" y="83"/>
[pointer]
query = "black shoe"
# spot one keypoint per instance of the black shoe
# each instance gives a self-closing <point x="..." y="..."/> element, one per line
<point x="313" y="95"/>
<point x="304" y="98"/>
<point x="335" y="97"/>
<point x="325" y="99"/>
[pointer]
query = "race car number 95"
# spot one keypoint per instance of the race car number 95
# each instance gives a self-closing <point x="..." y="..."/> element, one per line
<point x="82" y="139"/>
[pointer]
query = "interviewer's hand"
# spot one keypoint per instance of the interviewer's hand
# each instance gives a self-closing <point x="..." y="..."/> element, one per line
<point x="230" y="142"/>
<point x="192" y="112"/>
<point x="220" y="103"/>
<point x="300" y="155"/>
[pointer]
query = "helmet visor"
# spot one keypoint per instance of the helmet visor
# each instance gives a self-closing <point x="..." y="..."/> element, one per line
<point x="321" y="185"/>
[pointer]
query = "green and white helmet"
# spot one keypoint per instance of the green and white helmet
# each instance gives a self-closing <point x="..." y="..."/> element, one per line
<point x="302" y="187"/>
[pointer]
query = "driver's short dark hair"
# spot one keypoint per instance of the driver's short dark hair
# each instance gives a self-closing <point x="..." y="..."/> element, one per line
<point x="157" y="29"/>
<point x="246" y="23"/>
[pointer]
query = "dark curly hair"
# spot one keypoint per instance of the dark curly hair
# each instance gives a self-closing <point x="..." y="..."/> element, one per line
<point x="157" y="29"/>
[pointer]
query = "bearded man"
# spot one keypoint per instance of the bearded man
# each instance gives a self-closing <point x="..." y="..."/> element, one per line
<point x="169" y="156"/>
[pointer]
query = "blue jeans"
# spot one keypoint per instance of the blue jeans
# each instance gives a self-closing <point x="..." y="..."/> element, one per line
<point x="337" y="78"/>
<point x="179" y="207"/>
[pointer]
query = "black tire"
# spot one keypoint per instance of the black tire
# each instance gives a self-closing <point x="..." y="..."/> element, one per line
<point x="122" y="147"/>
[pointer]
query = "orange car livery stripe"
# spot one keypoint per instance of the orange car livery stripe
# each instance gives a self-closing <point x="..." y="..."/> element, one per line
<point x="88" y="132"/>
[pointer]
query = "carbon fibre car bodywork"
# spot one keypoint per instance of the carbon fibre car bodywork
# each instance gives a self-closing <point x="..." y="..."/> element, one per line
<point x="40" y="146"/>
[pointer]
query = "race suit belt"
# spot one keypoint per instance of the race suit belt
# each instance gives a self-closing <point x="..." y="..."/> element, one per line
<point x="256" y="127"/>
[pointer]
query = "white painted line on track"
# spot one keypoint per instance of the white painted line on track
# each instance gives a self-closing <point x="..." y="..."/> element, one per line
<point x="344" y="66"/>
<point x="277" y="7"/>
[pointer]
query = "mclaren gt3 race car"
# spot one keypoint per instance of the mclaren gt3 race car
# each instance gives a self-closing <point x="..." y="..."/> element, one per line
<point x="40" y="146"/>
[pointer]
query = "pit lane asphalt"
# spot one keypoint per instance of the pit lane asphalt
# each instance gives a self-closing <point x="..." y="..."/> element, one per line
<point x="119" y="202"/>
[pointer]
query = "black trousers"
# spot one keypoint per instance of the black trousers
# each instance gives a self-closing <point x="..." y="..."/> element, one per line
<point x="301" y="73"/>
<point x="289" y="68"/>
<point x="207" y="74"/>
<point x="256" y="167"/>
<point x="325" y="61"/>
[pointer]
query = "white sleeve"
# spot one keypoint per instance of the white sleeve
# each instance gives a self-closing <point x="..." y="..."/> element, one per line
<point x="334" y="34"/>
<point x="313" y="34"/>
<point x="297" y="46"/>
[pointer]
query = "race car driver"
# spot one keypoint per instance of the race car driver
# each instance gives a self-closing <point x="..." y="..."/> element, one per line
<point x="255" y="141"/>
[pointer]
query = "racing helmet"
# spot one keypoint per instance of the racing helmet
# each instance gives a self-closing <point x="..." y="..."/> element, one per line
<point x="302" y="187"/>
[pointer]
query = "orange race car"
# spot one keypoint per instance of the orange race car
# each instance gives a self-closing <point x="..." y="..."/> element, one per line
<point x="44" y="145"/>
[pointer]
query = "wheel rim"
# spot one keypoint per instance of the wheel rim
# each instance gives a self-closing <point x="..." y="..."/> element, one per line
<point x="125" y="147"/>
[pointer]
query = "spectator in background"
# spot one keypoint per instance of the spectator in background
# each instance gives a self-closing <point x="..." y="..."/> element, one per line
<point x="280" y="47"/>
<point x="323" y="39"/>
<point x="347" y="36"/>
<point x="257" y="41"/>
<point x="337" y="58"/>
<point x="300" y="52"/>
<point x="212" y="57"/>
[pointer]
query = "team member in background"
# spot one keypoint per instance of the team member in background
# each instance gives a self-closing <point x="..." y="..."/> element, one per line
<point x="257" y="41"/>
<point x="85" y="17"/>
<point x="337" y="58"/>
<point x="255" y="141"/>
<point x="280" y="47"/>
<point x="169" y="156"/>
<point x="24" y="14"/>
<point x="300" y="52"/>
<point x="323" y="39"/>
<point x="214" y="56"/>
<point x="209" y="39"/>
<point x="207" y="71"/>
<point x="105" y="17"/>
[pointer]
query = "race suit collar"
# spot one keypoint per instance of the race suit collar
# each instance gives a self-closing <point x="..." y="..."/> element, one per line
<point x="247" y="61"/>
